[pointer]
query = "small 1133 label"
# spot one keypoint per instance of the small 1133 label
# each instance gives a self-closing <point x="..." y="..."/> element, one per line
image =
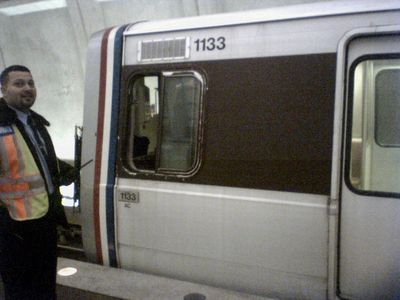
<point x="128" y="196"/>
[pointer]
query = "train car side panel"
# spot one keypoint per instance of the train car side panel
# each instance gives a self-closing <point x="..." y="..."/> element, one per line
<point x="241" y="239"/>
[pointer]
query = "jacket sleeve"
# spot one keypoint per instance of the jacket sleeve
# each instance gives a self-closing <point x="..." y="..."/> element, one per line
<point x="68" y="173"/>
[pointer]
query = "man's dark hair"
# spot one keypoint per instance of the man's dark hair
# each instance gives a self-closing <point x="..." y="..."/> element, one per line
<point x="6" y="71"/>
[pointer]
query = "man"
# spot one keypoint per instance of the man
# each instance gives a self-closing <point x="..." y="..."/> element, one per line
<point x="30" y="200"/>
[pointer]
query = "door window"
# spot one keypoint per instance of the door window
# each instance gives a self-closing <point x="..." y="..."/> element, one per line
<point x="164" y="122"/>
<point x="375" y="125"/>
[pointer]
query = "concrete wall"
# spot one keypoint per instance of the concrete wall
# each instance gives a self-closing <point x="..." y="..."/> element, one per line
<point x="51" y="36"/>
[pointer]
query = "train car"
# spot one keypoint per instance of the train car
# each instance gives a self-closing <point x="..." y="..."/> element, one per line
<point x="257" y="151"/>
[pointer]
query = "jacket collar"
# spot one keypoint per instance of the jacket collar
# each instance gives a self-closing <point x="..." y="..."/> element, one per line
<point x="9" y="117"/>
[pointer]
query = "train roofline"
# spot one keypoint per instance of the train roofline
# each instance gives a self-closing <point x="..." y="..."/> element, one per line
<point x="281" y="13"/>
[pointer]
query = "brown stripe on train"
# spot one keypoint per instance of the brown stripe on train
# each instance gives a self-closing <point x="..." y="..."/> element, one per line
<point x="268" y="122"/>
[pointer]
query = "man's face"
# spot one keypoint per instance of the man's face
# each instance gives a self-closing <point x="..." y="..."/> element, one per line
<point x="19" y="90"/>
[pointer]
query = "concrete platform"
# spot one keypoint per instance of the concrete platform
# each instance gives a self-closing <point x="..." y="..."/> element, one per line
<point x="67" y="293"/>
<point x="106" y="283"/>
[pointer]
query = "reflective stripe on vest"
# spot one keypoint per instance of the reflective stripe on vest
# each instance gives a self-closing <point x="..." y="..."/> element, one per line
<point x="22" y="188"/>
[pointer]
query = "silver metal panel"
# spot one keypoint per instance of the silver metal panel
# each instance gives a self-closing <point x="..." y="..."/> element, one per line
<point x="89" y="143"/>
<point x="369" y="265"/>
<point x="370" y="247"/>
<point x="302" y="11"/>
<point x="293" y="37"/>
<point x="242" y="239"/>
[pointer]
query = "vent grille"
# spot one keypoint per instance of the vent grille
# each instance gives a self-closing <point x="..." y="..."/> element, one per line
<point x="165" y="49"/>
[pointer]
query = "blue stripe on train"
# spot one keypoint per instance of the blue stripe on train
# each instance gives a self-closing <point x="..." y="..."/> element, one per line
<point x="112" y="156"/>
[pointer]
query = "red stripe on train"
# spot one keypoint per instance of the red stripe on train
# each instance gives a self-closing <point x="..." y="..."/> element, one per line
<point x="99" y="145"/>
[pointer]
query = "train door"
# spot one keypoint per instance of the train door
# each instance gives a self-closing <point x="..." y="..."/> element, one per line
<point x="369" y="242"/>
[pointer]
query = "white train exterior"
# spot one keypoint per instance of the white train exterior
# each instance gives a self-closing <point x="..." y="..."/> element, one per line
<point x="253" y="151"/>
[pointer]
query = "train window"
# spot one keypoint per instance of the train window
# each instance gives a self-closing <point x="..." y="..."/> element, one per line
<point x="388" y="108"/>
<point x="375" y="128"/>
<point x="164" y="123"/>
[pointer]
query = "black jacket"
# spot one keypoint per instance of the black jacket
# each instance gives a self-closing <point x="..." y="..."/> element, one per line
<point x="60" y="171"/>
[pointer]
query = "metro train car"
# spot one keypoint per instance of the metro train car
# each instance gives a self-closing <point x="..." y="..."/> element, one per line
<point x="257" y="152"/>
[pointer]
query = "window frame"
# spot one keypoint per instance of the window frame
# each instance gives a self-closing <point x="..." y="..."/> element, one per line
<point x="127" y="162"/>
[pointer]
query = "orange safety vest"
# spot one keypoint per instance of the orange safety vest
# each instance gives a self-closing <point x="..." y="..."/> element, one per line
<point x="22" y="187"/>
